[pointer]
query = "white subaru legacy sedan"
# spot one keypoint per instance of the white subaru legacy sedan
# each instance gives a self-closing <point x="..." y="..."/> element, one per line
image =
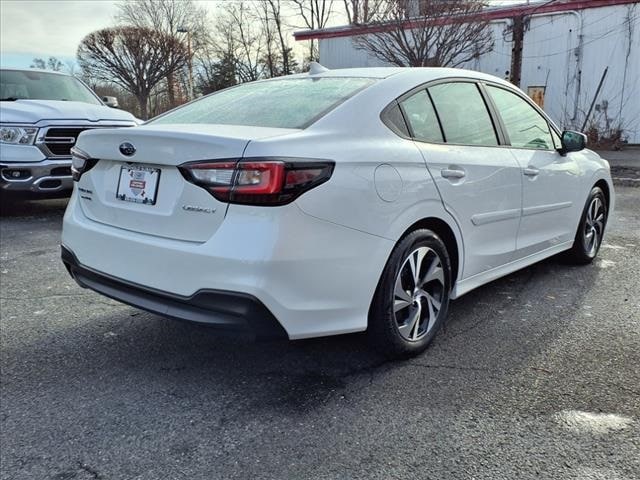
<point x="331" y="202"/>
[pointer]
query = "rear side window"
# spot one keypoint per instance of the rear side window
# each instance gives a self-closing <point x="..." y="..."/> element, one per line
<point x="463" y="114"/>
<point x="393" y="118"/>
<point x="422" y="117"/>
<point x="525" y="126"/>
<point x="280" y="103"/>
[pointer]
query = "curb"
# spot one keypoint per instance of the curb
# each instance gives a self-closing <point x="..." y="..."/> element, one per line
<point x="625" y="175"/>
<point x="626" y="182"/>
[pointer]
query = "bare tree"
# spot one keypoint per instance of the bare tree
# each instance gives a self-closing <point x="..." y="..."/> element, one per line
<point x="218" y="59"/>
<point x="182" y="19"/>
<point x="137" y="59"/>
<point x="51" y="64"/>
<point x="241" y="37"/>
<point x="270" y="57"/>
<point x="315" y="14"/>
<point x="216" y="70"/>
<point x="274" y="12"/>
<point x="363" y="11"/>
<point x="446" y="34"/>
<point x="168" y="16"/>
<point x="278" y="57"/>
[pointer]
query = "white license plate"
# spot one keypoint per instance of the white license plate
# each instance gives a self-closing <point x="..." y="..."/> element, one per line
<point x="138" y="184"/>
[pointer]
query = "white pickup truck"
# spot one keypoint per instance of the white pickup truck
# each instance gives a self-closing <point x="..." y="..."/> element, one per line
<point x="41" y="115"/>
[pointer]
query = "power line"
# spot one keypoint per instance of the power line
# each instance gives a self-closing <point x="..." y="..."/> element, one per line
<point x="584" y="25"/>
<point x="604" y="35"/>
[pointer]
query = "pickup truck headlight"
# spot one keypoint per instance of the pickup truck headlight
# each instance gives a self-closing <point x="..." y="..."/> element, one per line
<point x="17" y="135"/>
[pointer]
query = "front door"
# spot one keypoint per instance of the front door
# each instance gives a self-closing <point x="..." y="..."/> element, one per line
<point x="550" y="181"/>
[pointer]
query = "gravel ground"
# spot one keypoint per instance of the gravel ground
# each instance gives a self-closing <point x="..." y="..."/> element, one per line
<point x="536" y="375"/>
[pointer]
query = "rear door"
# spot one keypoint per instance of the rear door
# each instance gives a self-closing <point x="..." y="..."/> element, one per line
<point x="550" y="209"/>
<point x="479" y="181"/>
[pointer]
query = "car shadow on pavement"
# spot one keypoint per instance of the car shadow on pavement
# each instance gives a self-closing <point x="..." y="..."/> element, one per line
<point x="21" y="207"/>
<point x="493" y="332"/>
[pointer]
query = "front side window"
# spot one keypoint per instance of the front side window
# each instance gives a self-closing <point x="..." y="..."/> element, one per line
<point x="463" y="114"/>
<point x="280" y="103"/>
<point x="557" y="142"/>
<point x="525" y="126"/>
<point x="422" y="117"/>
<point x="34" y="85"/>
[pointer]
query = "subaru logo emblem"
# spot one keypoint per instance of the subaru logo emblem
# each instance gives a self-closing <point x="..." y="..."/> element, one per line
<point x="127" y="149"/>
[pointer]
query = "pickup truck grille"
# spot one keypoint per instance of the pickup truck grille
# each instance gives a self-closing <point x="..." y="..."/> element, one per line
<point x="60" y="140"/>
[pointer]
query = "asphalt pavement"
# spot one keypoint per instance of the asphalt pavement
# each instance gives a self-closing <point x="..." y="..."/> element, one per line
<point x="536" y="375"/>
<point x="625" y="165"/>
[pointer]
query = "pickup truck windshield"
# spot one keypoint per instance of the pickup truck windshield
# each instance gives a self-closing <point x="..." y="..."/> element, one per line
<point x="280" y="103"/>
<point x="28" y="85"/>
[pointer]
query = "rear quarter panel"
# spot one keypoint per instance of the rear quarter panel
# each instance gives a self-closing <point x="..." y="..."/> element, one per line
<point x="380" y="185"/>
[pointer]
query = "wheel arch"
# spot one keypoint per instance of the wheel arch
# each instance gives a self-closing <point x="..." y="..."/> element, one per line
<point x="447" y="235"/>
<point x="602" y="184"/>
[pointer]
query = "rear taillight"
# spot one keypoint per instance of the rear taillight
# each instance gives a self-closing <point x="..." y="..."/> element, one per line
<point x="258" y="181"/>
<point x="81" y="162"/>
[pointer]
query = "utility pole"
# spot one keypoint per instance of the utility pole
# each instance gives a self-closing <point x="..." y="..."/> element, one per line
<point x="190" y="65"/>
<point x="190" y="58"/>
<point x="516" y="51"/>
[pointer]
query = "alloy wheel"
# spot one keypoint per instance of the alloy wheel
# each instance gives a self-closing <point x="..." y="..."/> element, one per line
<point x="418" y="293"/>
<point x="594" y="226"/>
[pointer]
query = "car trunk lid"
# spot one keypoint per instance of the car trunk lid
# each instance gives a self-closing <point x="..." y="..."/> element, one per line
<point x="137" y="186"/>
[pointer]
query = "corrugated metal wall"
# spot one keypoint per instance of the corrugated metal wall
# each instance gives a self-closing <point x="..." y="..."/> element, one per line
<point x="566" y="53"/>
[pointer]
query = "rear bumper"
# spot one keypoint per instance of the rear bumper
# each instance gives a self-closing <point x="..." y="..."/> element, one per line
<point x="46" y="176"/>
<point x="221" y="309"/>
<point x="316" y="278"/>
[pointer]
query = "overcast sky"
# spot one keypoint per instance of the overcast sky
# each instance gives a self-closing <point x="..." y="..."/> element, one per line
<point x="43" y="28"/>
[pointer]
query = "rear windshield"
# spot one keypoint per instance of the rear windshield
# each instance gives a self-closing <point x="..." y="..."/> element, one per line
<point x="28" y="85"/>
<point x="281" y="103"/>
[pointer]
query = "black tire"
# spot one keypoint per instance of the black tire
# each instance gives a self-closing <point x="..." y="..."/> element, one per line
<point x="392" y="333"/>
<point x="583" y="251"/>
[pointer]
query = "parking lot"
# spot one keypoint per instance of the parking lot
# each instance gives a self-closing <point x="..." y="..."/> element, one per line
<point x="536" y="375"/>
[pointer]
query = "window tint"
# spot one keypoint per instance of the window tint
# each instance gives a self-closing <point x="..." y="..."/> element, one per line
<point x="463" y="114"/>
<point x="395" y="121"/>
<point x="525" y="126"/>
<point x="283" y="103"/>
<point x="422" y="118"/>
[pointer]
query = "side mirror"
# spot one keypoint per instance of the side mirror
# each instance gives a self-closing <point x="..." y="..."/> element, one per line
<point x="110" y="102"/>
<point x="573" y="142"/>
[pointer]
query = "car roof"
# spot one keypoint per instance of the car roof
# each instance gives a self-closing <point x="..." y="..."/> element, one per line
<point x="367" y="72"/>
<point x="424" y="73"/>
<point x="418" y="75"/>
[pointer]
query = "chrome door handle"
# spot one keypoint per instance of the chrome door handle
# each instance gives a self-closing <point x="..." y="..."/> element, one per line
<point x="531" y="171"/>
<point x="452" y="173"/>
